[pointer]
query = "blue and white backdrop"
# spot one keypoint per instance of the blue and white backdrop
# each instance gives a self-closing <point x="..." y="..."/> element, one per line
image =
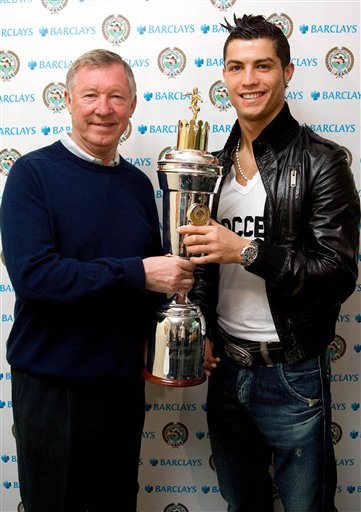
<point x="173" y="46"/>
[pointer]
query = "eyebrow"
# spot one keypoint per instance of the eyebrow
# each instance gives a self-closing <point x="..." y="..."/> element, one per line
<point x="258" y="61"/>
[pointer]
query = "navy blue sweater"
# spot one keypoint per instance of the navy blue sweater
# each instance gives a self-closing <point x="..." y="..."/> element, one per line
<point x="74" y="235"/>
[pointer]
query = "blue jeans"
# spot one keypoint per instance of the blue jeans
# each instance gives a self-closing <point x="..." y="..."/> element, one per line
<point x="279" y="415"/>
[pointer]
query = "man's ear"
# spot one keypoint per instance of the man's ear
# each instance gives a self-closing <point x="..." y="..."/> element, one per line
<point x="133" y="105"/>
<point x="67" y="99"/>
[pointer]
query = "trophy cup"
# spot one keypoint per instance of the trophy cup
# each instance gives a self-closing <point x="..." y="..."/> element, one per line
<point x="188" y="176"/>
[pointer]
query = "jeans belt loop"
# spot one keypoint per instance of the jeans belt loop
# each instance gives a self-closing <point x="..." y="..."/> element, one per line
<point x="265" y="354"/>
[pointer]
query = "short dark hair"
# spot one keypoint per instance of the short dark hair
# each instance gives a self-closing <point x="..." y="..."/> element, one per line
<point x="257" y="27"/>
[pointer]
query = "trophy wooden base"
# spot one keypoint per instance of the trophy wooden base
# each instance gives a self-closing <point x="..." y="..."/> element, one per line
<point x="179" y="383"/>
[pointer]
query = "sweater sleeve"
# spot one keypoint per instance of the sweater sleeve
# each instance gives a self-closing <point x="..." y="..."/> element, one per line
<point x="38" y="267"/>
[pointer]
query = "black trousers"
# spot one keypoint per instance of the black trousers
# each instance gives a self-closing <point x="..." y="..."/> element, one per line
<point x="74" y="439"/>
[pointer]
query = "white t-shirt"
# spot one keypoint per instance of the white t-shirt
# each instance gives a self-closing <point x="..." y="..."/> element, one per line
<point x="243" y="309"/>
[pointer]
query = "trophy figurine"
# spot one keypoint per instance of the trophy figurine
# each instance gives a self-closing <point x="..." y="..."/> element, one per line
<point x="188" y="176"/>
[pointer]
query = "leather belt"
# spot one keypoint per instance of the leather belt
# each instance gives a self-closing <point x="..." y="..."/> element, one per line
<point x="252" y="353"/>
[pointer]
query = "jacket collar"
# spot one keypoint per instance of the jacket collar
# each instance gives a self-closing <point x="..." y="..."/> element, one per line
<point x="278" y="134"/>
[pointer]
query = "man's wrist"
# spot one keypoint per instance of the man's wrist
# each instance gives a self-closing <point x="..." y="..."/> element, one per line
<point x="249" y="253"/>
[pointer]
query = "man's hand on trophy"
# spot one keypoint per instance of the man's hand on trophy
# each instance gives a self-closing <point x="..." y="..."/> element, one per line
<point x="168" y="274"/>
<point x="212" y="243"/>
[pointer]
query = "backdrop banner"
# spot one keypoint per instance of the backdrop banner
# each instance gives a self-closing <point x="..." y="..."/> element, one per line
<point x="172" y="47"/>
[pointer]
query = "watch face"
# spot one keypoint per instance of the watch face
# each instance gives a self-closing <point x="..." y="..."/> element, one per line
<point x="249" y="254"/>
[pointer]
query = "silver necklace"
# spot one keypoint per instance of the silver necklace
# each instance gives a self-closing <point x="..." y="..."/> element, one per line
<point x="241" y="171"/>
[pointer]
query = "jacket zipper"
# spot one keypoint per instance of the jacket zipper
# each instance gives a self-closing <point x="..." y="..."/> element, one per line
<point x="293" y="177"/>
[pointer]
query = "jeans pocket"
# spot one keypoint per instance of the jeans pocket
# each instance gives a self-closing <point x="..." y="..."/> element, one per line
<point x="303" y="380"/>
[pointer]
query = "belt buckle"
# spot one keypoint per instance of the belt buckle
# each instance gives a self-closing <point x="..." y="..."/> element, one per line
<point x="239" y="354"/>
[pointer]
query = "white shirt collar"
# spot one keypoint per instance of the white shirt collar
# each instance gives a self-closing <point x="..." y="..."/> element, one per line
<point x="72" y="146"/>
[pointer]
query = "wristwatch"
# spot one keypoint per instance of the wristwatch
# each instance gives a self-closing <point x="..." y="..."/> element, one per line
<point x="249" y="253"/>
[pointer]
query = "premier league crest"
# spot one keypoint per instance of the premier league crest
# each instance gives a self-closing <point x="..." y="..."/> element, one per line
<point x="339" y="61"/>
<point x="9" y="65"/>
<point x="53" y="97"/>
<point x="218" y="94"/>
<point x="336" y="432"/>
<point x="125" y="136"/>
<point x="54" y="6"/>
<point x="7" y="160"/>
<point x="223" y="5"/>
<point x="116" y="29"/>
<point x="171" y="62"/>
<point x="175" y="434"/>
<point x="337" y="348"/>
<point x="283" y="22"/>
<point x="175" y="507"/>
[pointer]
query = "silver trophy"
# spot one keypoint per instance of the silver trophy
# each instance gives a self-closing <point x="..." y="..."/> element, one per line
<point x="188" y="176"/>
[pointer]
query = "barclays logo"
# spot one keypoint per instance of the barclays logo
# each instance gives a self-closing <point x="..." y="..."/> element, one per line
<point x="209" y="62"/>
<point x="142" y="129"/>
<point x="148" y="435"/>
<point x="67" y="31"/>
<point x="333" y="128"/>
<point x="345" y="462"/>
<point x="17" y="130"/>
<point x="7" y="318"/>
<point x="214" y="489"/>
<point x="49" y="64"/>
<point x="214" y="29"/>
<point x="55" y="130"/>
<point x="168" y="489"/>
<point x="8" y="458"/>
<point x="146" y="162"/>
<point x="336" y="95"/>
<point x="328" y="29"/>
<point x="5" y="288"/>
<point x="347" y="377"/>
<point x="138" y="63"/>
<point x="294" y="95"/>
<point x="165" y="29"/>
<point x="17" y="98"/>
<point x="174" y="407"/>
<point x="181" y="462"/>
<point x="164" y="96"/>
<point x="305" y="62"/>
<point x="339" y="406"/>
<point x="205" y="29"/>
<point x="17" y="32"/>
<point x="221" y="128"/>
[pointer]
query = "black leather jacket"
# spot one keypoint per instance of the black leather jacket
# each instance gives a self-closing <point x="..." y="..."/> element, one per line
<point x="308" y="257"/>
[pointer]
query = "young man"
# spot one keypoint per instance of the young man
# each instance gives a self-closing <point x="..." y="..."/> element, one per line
<point x="282" y="258"/>
<point x="82" y="247"/>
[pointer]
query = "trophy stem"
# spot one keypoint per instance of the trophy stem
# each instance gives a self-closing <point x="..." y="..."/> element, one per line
<point x="181" y="298"/>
